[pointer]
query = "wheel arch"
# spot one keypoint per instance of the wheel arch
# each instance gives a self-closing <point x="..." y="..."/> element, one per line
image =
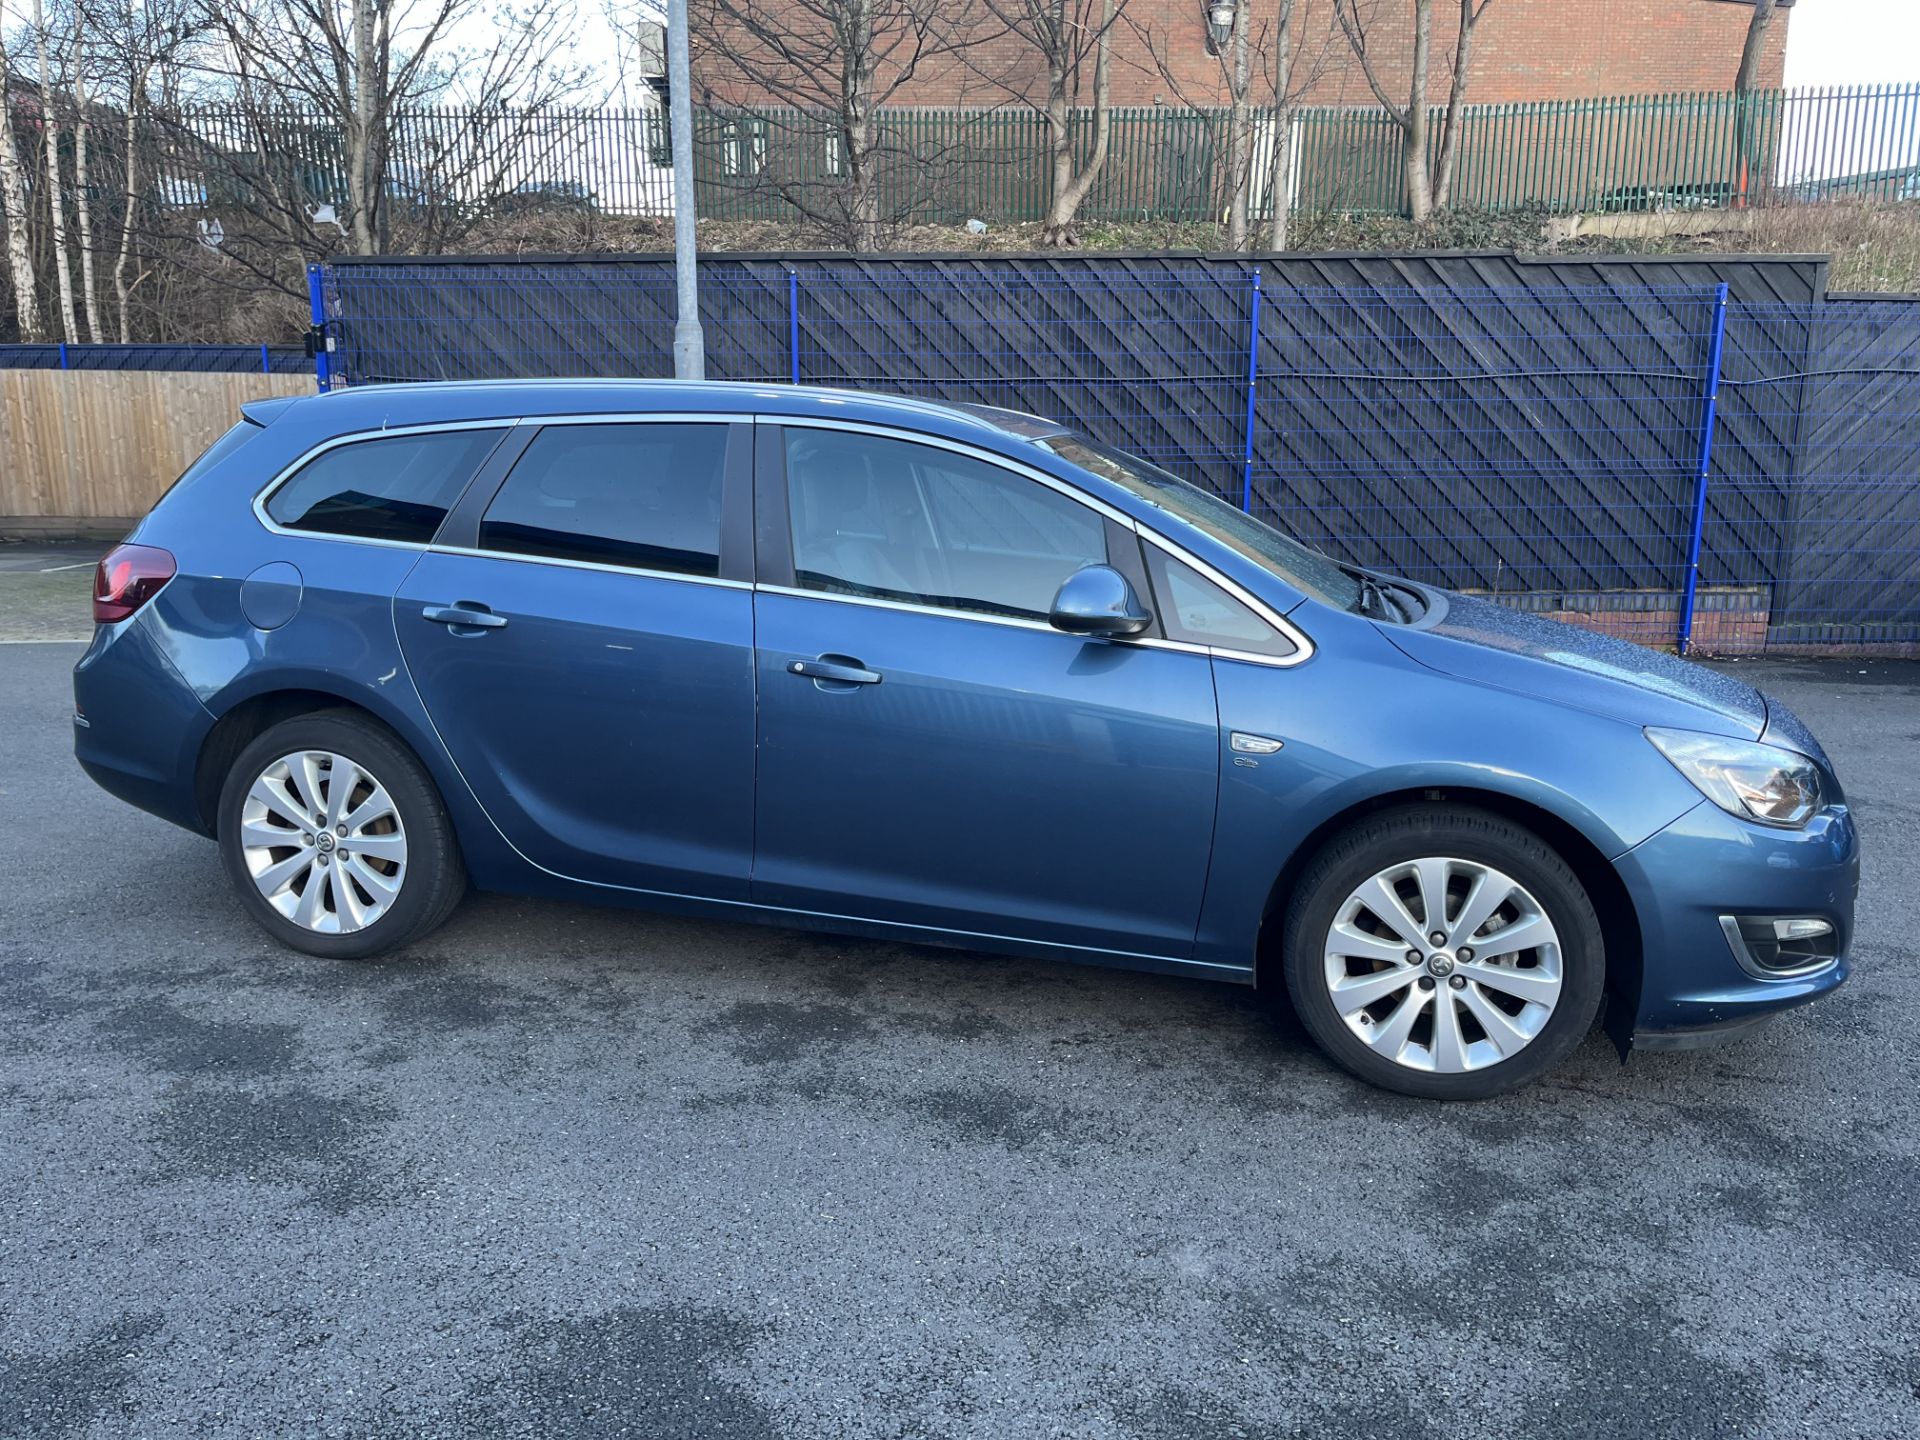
<point x="252" y="715"/>
<point x="1619" y="918"/>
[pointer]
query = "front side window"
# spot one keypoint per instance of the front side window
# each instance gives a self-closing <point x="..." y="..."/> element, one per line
<point x="1200" y="612"/>
<point x="895" y="520"/>
<point x="392" y="487"/>
<point x="642" y="495"/>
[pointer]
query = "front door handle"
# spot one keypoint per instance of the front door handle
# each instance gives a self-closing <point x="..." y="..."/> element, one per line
<point x="467" y="617"/>
<point x="842" y="671"/>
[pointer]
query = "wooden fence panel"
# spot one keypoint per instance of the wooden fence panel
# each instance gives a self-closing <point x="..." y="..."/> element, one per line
<point x="104" y="444"/>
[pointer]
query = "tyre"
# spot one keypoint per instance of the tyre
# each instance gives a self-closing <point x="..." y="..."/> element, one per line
<point x="1443" y="952"/>
<point x="335" y="838"/>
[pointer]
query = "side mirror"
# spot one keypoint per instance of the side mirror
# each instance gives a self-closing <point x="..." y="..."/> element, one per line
<point x="1097" y="601"/>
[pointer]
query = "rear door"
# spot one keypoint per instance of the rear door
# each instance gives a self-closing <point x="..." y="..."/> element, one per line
<point x="582" y="636"/>
<point x="932" y="751"/>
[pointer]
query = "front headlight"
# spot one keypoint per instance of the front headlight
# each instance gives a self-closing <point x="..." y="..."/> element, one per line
<point x="1755" y="782"/>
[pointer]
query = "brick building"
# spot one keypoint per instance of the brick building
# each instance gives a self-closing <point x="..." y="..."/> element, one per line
<point x="1523" y="50"/>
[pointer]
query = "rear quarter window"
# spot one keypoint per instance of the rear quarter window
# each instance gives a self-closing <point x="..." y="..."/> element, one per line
<point x="390" y="487"/>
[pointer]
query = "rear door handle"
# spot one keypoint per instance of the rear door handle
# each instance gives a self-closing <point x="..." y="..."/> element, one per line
<point x="845" y="672"/>
<point x="467" y="615"/>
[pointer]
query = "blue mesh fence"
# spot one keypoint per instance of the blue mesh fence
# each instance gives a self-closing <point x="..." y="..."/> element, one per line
<point x="403" y="322"/>
<point x="1154" y="364"/>
<point x="1836" y="562"/>
<point x="1572" y="450"/>
<point x="216" y="359"/>
<point x="1539" y="446"/>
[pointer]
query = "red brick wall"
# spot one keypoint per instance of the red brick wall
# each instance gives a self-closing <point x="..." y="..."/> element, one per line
<point x="1523" y="50"/>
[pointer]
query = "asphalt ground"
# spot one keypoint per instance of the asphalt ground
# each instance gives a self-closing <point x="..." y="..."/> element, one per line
<point x="563" y="1171"/>
<point x="45" y="592"/>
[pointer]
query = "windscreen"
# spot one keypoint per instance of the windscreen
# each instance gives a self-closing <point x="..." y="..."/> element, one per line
<point x="1303" y="568"/>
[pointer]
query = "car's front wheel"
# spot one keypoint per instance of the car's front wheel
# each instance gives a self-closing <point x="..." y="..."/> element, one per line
<point x="333" y="834"/>
<point x="1443" y="952"/>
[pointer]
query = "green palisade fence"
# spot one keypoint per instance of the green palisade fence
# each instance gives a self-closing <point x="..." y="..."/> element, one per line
<point x="450" y="166"/>
<point x="1633" y="152"/>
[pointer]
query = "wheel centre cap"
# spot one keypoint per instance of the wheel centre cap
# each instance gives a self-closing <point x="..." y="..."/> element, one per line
<point x="324" y="841"/>
<point x="1440" y="963"/>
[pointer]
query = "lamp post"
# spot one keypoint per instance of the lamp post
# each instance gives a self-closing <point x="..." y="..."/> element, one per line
<point x="1219" y="15"/>
<point x="689" y="344"/>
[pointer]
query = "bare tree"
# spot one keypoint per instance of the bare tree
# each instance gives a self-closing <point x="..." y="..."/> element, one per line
<point x="837" y="63"/>
<point x="82" y="192"/>
<point x="1744" y="148"/>
<point x="1280" y="175"/>
<point x="369" y="122"/>
<point x="349" y="63"/>
<point x="1072" y="42"/>
<point x="1451" y="126"/>
<point x="56" y="191"/>
<point x="1428" y="184"/>
<point x="1239" y="122"/>
<point x="139" y="50"/>
<point x="13" y="199"/>
<point x="1256" y="55"/>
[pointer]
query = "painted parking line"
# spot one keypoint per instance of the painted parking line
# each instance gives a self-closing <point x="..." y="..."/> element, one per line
<point x="55" y="569"/>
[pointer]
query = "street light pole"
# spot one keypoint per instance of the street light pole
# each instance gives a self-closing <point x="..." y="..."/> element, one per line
<point x="689" y="345"/>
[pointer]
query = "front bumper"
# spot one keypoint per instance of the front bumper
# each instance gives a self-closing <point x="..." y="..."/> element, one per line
<point x="1706" y="865"/>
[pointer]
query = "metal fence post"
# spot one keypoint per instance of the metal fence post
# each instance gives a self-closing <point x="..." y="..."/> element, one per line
<point x="266" y="361"/>
<point x="64" y="363"/>
<point x="1714" y="349"/>
<point x="793" y="325"/>
<point x="317" y="307"/>
<point x="1253" y="381"/>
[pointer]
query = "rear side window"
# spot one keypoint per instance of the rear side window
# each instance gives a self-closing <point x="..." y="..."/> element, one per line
<point x="395" y="487"/>
<point x="642" y="495"/>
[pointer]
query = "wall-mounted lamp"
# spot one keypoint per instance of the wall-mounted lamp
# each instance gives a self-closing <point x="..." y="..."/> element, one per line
<point x="1219" y="15"/>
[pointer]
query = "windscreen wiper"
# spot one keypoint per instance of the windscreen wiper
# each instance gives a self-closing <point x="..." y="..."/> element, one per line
<point x="1374" y="601"/>
<point x="1387" y="602"/>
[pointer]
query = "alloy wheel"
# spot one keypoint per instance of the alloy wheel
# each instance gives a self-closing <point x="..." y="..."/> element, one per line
<point x="324" y="842"/>
<point x="1443" y="965"/>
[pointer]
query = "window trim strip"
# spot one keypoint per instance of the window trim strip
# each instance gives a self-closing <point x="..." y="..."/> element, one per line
<point x="521" y="557"/>
<point x="494" y="422"/>
<point x="306" y="457"/>
<point x="506" y="423"/>
<point x="1239" y="592"/>
<point x="1183" y="647"/>
<point x="958" y="447"/>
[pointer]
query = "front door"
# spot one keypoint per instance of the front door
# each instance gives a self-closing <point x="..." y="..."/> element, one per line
<point x="931" y="751"/>
<point x="588" y="663"/>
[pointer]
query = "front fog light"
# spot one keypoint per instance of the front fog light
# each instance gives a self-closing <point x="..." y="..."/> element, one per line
<point x="1800" y="929"/>
<point x="1771" y="946"/>
<point x="1755" y="782"/>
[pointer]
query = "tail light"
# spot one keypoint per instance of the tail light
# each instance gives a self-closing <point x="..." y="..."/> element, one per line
<point x="128" y="577"/>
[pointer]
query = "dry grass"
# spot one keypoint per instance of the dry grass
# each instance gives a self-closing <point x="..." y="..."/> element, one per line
<point x="1874" y="246"/>
<point x="592" y="234"/>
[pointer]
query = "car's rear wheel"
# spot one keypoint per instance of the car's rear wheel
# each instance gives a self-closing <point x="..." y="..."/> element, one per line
<point x="335" y="838"/>
<point x="1442" y="952"/>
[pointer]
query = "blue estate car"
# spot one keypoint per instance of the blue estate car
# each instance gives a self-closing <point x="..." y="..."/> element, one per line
<point x="947" y="674"/>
